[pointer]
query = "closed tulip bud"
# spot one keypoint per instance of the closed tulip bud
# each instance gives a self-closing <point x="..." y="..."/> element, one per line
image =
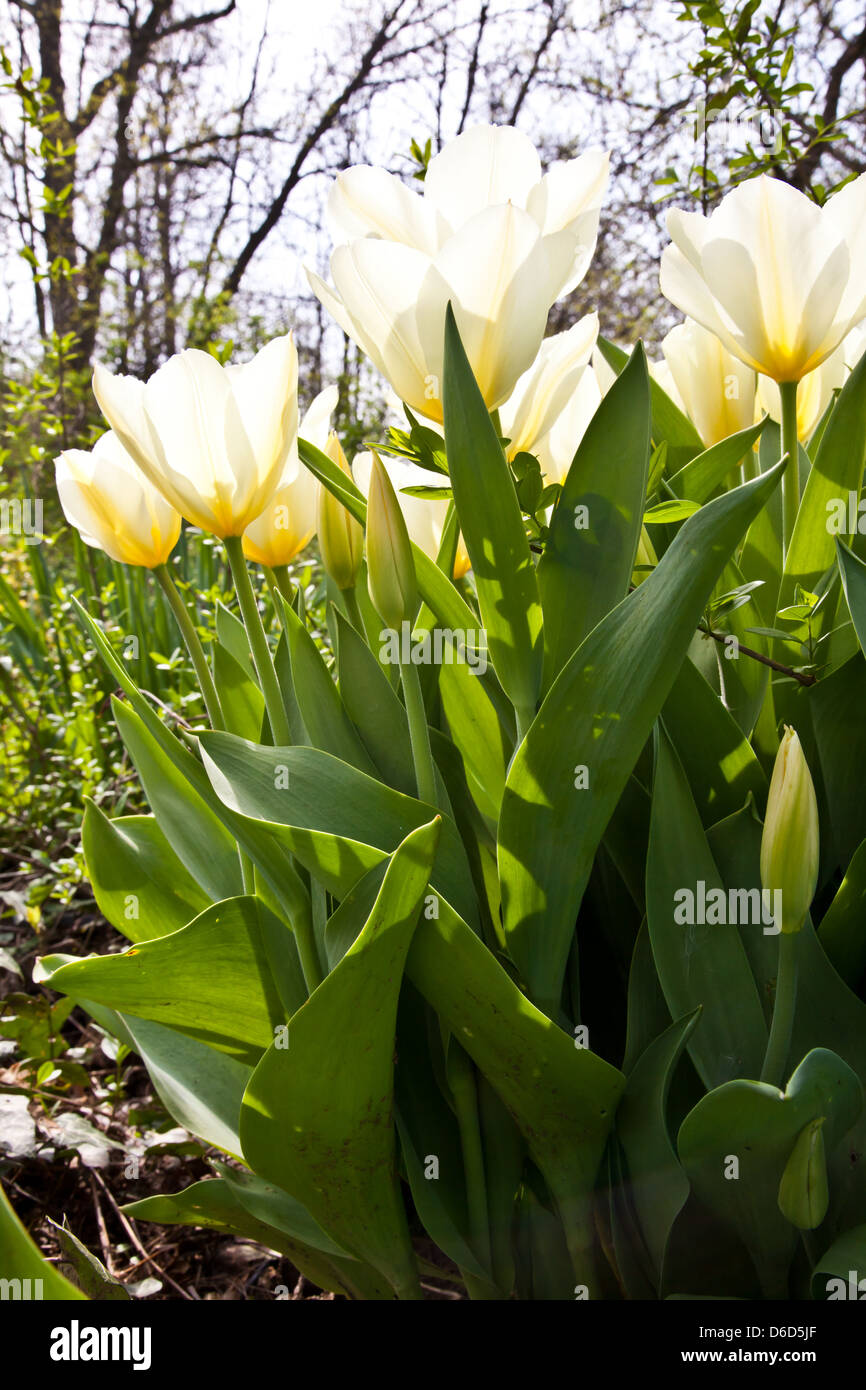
<point x="789" y="845"/>
<point x="390" y="567"/>
<point x="803" y="1191"/>
<point x="113" y="506"/>
<point x="341" y="538"/>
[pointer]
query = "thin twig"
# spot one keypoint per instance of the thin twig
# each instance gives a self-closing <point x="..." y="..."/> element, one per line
<point x="807" y="679"/>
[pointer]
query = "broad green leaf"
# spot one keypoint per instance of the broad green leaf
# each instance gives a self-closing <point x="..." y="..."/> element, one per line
<point x="657" y="1185"/>
<point x="271" y="859"/>
<point x="317" y="803"/>
<point x="192" y="829"/>
<point x="211" y="980"/>
<point x="317" y="1115"/>
<point x="216" y="1205"/>
<point x="598" y="715"/>
<point x="585" y="570"/>
<point x="325" y="719"/>
<point x="735" y="844"/>
<point x="842" y="932"/>
<point x="200" y="1087"/>
<point x="21" y="1259"/>
<point x="668" y="421"/>
<point x="699" y="964"/>
<point x="428" y="1131"/>
<point x="667" y="512"/>
<point x="700" y="478"/>
<point x="138" y="881"/>
<point x="648" y="1014"/>
<point x="374" y="708"/>
<point x="477" y="733"/>
<point x="853" y="572"/>
<point x="493" y="530"/>
<point x="232" y="635"/>
<point x="757" y="1126"/>
<point x="719" y="763"/>
<point x="277" y="1208"/>
<point x="840" y="1270"/>
<point x="836" y="471"/>
<point x="242" y="703"/>
<point x="761" y="554"/>
<point x="837" y="704"/>
<point x="562" y="1097"/>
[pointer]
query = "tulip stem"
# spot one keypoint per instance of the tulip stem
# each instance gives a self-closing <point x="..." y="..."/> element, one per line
<point x="193" y="646"/>
<point x="353" y="608"/>
<point x="258" y="643"/>
<point x="419" y="734"/>
<point x="778" y="1045"/>
<point x="791" y="478"/>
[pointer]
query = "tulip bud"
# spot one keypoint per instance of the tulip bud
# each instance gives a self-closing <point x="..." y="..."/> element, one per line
<point x="803" y="1192"/>
<point x="789" y="845"/>
<point x="341" y="538"/>
<point x="390" y="567"/>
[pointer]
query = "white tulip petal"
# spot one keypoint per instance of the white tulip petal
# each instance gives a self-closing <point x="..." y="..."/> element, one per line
<point x="121" y="400"/>
<point x="266" y="392"/>
<point x="685" y="287"/>
<point x="331" y="301"/>
<point x="688" y="231"/>
<point x="364" y="201"/>
<point x="209" y="463"/>
<point x="483" y="166"/>
<point x="569" y="189"/>
<point x="380" y="284"/>
<point x="502" y="278"/>
<point x="542" y="393"/>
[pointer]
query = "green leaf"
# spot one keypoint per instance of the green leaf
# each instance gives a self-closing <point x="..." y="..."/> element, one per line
<point x="698" y="964"/>
<point x="138" y="881"/>
<point x="598" y="715"/>
<point x="427" y="1129"/>
<point x="562" y="1097"/>
<point x="667" y="512"/>
<point x="837" y="703"/>
<point x="836" y="471"/>
<point x="317" y="1116"/>
<point x="658" y="1187"/>
<point x="277" y="1208"/>
<point x="211" y="980"/>
<point x="853" y="572"/>
<point x="200" y="1087"/>
<point x="374" y="708"/>
<point x="758" y="1125"/>
<point x="318" y="803"/>
<point x="192" y="829"/>
<point x="241" y="700"/>
<point x="842" y="931"/>
<point x="832" y="1275"/>
<point x="325" y="719"/>
<point x="21" y="1259"/>
<point x="584" y="572"/>
<point x="700" y="478"/>
<point x="668" y="421"/>
<point x="216" y="1205"/>
<point x="718" y="760"/>
<point x="232" y="635"/>
<point x="493" y="530"/>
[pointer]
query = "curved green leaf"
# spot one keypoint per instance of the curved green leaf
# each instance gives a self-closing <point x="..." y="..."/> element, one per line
<point x="598" y="715"/>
